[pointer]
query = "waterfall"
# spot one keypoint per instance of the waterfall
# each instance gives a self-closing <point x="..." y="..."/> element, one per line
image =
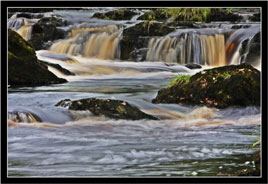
<point x="22" y="26"/>
<point x="205" y="47"/>
<point x="98" y="42"/>
<point x="188" y="48"/>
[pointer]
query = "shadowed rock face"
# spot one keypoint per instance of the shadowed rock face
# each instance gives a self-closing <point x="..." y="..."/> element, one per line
<point x="121" y="14"/>
<point x="131" y="35"/>
<point x="23" y="67"/>
<point x="234" y="85"/>
<point x="46" y="30"/>
<point x="116" y="109"/>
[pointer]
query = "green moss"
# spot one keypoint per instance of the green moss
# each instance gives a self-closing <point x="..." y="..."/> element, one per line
<point x="179" y="79"/>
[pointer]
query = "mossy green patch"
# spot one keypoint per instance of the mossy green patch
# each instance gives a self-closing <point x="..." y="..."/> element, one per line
<point x="179" y="79"/>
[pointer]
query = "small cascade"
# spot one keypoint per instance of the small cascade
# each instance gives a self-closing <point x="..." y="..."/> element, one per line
<point x="98" y="42"/>
<point x="22" y="26"/>
<point x="188" y="48"/>
<point x="214" y="48"/>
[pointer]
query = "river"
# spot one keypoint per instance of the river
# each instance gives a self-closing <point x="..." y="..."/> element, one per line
<point x="186" y="141"/>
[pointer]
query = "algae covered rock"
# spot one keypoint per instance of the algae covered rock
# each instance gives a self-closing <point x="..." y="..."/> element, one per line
<point x="121" y="14"/>
<point x="234" y="85"/>
<point x="23" y="67"/>
<point x="116" y="109"/>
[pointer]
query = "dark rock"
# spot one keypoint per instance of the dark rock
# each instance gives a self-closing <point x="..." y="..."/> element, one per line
<point x="121" y="14"/>
<point x="58" y="67"/>
<point x="30" y="15"/>
<point x="221" y="15"/>
<point x="182" y="24"/>
<point x="253" y="52"/>
<point x="255" y="18"/>
<point x="23" y="67"/>
<point x="46" y="30"/>
<point x="255" y="171"/>
<point x="131" y="35"/>
<point x="240" y="26"/>
<point x="139" y="55"/>
<point x="233" y="85"/>
<point x="193" y="66"/>
<point x="155" y="14"/>
<point x="116" y="109"/>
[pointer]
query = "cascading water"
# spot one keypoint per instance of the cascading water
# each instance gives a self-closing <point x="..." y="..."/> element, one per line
<point x="98" y="42"/>
<point x="23" y="26"/>
<point x="212" y="47"/>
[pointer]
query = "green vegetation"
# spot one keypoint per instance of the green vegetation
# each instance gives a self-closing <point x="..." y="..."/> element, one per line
<point x="187" y="14"/>
<point x="180" y="78"/>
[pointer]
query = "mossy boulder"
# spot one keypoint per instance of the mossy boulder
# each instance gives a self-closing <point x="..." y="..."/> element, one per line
<point x="233" y="85"/>
<point x="155" y="14"/>
<point x="131" y="36"/>
<point x="46" y="30"/>
<point x="116" y="109"/>
<point x="121" y="14"/>
<point x="23" y="67"/>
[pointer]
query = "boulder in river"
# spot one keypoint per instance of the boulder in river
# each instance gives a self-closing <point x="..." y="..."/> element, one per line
<point x="46" y="30"/>
<point x="120" y="14"/>
<point x="233" y="85"/>
<point x="131" y="35"/>
<point x="23" y="66"/>
<point x="116" y="109"/>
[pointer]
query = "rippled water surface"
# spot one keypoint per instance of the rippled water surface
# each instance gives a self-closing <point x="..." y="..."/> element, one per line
<point x="186" y="141"/>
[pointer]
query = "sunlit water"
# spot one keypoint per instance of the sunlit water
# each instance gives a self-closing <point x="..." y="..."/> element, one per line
<point x="186" y="141"/>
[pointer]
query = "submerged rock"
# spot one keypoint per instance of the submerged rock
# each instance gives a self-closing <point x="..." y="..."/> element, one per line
<point x="23" y="66"/>
<point x="111" y="108"/>
<point x="121" y="14"/>
<point x="139" y="54"/>
<point x="59" y="68"/>
<point x="23" y="116"/>
<point x="193" y="66"/>
<point x="234" y="85"/>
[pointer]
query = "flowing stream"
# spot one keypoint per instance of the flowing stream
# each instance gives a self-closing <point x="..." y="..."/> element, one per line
<point x="186" y="141"/>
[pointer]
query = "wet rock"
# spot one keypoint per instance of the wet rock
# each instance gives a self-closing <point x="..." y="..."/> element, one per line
<point x="222" y="15"/>
<point x="193" y="66"/>
<point x="255" y="18"/>
<point x="155" y="14"/>
<point x="139" y="54"/>
<point x="233" y="85"/>
<point x="252" y="171"/>
<point x="23" y="66"/>
<point x="30" y="15"/>
<point x="182" y="24"/>
<point x="58" y="67"/>
<point x="121" y="14"/>
<point x="253" y="51"/>
<point x="116" y="109"/>
<point x="131" y="35"/>
<point x="240" y="26"/>
<point x="46" y="30"/>
<point x="23" y="116"/>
